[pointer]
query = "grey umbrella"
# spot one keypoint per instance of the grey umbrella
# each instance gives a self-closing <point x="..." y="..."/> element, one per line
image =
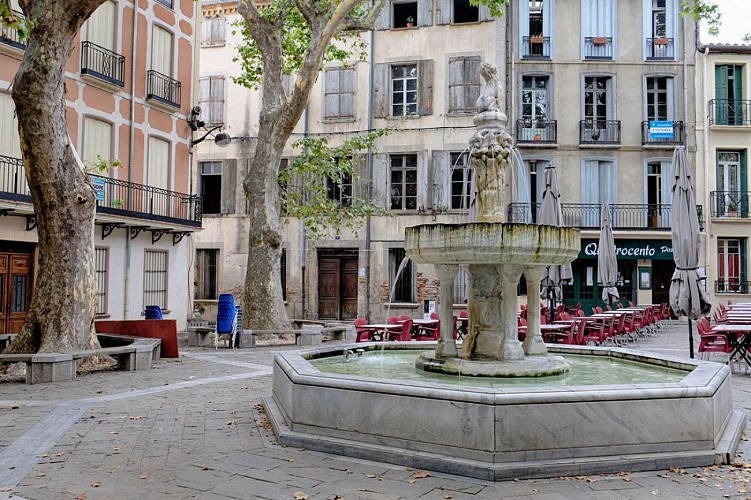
<point x="607" y="265"/>
<point x="687" y="297"/>
<point x="551" y="215"/>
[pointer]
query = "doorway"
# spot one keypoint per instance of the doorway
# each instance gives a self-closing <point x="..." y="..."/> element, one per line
<point x="16" y="279"/>
<point x="337" y="284"/>
<point x="662" y="275"/>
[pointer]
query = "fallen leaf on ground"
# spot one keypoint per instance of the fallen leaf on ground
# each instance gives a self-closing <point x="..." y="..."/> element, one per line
<point x="82" y="496"/>
<point x="370" y="475"/>
<point x="420" y="473"/>
<point x="143" y="477"/>
<point x="299" y="495"/>
<point x="61" y="454"/>
<point x="96" y="485"/>
<point x="41" y="474"/>
<point x="137" y="417"/>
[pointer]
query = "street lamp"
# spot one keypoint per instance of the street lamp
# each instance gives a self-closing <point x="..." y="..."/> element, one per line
<point x="222" y="139"/>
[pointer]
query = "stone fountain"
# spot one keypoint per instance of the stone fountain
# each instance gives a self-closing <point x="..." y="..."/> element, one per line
<point x="496" y="254"/>
<point x="451" y="423"/>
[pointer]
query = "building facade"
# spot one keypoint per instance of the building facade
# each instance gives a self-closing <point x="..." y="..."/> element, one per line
<point x="724" y="139"/>
<point x="595" y="88"/>
<point x="129" y="84"/>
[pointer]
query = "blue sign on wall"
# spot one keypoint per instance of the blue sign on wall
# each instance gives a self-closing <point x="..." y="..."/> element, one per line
<point x="98" y="185"/>
<point x="661" y="129"/>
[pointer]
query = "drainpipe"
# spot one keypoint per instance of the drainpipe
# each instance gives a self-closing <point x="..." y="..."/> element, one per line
<point x="369" y="194"/>
<point x="131" y="152"/>
<point x="303" y="239"/>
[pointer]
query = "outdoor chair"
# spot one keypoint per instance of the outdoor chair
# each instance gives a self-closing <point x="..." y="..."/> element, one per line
<point x="153" y="312"/>
<point x="363" y="334"/>
<point x="226" y="319"/>
<point x="393" y="320"/>
<point x="430" y="332"/>
<point x="560" y="337"/>
<point x="712" y="342"/>
<point x="593" y="332"/>
<point x="406" y="334"/>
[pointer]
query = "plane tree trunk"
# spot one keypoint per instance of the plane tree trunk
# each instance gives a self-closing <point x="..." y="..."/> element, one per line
<point x="61" y="315"/>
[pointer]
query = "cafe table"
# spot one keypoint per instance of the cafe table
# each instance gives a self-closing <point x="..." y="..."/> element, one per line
<point x="739" y="336"/>
<point x="382" y="330"/>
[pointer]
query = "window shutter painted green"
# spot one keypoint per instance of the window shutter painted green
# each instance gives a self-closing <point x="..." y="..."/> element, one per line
<point x="721" y="94"/>
<point x="425" y="83"/>
<point x="381" y="90"/>
<point x="441" y="179"/>
<point x="744" y="258"/>
<point x="229" y="184"/>
<point x="424" y="12"/>
<point x="744" y="184"/>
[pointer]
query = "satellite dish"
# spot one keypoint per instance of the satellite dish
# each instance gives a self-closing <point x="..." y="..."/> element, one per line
<point x="222" y="139"/>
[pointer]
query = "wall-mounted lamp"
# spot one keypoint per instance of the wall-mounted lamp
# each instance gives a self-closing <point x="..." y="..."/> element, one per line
<point x="222" y="139"/>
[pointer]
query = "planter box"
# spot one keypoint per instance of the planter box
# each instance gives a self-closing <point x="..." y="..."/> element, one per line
<point x="600" y="40"/>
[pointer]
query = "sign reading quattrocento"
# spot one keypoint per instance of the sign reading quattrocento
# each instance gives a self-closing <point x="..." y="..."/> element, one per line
<point x="631" y="249"/>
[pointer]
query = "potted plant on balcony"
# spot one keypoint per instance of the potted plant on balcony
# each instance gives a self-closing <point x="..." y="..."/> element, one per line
<point x="661" y="41"/>
<point x="410" y="21"/>
<point x="732" y="210"/>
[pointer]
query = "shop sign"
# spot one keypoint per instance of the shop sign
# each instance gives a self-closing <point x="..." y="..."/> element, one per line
<point x="661" y="130"/>
<point x="631" y="249"/>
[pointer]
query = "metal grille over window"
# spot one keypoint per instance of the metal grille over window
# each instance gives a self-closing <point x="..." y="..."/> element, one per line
<point x="155" y="279"/>
<point x="404" y="90"/>
<point x="101" y="280"/>
<point x="206" y="274"/>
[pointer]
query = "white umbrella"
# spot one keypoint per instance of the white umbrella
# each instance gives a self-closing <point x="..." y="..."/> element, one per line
<point x="551" y="215"/>
<point x="607" y="265"/>
<point x="687" y="297"/>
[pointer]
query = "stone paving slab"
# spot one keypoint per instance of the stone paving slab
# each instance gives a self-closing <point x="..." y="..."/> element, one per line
<point x="192" y="428"/>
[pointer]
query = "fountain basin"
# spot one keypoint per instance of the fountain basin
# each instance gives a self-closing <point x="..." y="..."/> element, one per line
<point x="491" y="243"/>
<point x="513" y="432"/>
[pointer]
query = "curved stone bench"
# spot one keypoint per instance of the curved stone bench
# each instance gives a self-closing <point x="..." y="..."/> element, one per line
<point x="59" y="367"/>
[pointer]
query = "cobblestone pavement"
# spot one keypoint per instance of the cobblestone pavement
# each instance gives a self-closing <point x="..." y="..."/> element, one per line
<point x="193" y="428"/>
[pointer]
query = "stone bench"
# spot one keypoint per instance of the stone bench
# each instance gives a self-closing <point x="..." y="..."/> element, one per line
<point x="310" y="335"/>
<point x="6" y="339"/>
<point x="200" y="334"/>
<point x="60" y="367"/>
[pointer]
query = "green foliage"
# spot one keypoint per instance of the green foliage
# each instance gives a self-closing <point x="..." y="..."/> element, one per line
<point x="296" y="36"/>
<point x="703" y="10"/>
<point x="321" y="170"/>
<point x="14" y="20"/>
<point x="102" y="166"/>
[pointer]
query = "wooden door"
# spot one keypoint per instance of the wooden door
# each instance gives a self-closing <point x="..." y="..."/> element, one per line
<point x="328" y="288"/>
<point x="349" y="288"/>
<point x="662" y="275"/>
<point x="15" y="290"/>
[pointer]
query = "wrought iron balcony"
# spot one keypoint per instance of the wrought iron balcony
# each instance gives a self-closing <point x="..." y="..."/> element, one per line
<point x="729" y="204"/>
<point x="598" y="47"/>
<point x="733" y="285"/>
<point x="102" y="63"/>
<point x="729" y="112"/>
<point x="536" y="47"/>
<point x="660" y="49"/>
<point x="9" y="36"/>
<point x="536" y="131"/>
<point x="626" y="216"/>
<point x="162" y="88"/>
<point x="648" y="139"/>
<point x="599" y="132"/>
<point x="114" y="197"/>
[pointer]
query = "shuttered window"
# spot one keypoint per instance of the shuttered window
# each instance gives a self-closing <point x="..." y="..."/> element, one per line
<point x="155" y="279"/>
<point x="161" y="51"/>
<point x="158" y="173"/>
<point x="213" y="31"/>
<point x="403" y="182"/>
<point x="97" y="142"/>
<point x="101" y="267"/>
<point x="10" y="143"/>
<point x="598" y="186"/>
<point x="464" y="84"/>
<point x="101" y="26"/>
<point x="461" y="181"/>
<point x="401" y="276"/>
<point x="404" y="90"/>
<point x="211" y="100"/>
<point x="339" y="93"/>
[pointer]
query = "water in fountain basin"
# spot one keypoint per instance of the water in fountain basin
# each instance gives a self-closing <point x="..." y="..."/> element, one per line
<point x="584" y="371"/>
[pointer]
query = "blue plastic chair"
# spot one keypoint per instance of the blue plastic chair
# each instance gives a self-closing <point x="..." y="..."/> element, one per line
<point x="153" y="312"/>
<point x="226" y="318"/>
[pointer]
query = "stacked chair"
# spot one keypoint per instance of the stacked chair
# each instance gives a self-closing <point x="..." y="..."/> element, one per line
<point x="228" y="319"/>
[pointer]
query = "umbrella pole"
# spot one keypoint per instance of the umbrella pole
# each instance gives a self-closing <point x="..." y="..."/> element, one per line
<point x="690" y="340"/>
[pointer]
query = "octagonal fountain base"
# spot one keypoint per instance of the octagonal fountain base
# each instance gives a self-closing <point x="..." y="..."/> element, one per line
<point x="530" y="366"/>
<point x="500" y="433"/>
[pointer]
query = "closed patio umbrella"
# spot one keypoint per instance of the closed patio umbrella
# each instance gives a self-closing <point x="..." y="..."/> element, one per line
<point x="551" y="215"/>
<point x="607" y="265"/>
<point x="687" y="296"/>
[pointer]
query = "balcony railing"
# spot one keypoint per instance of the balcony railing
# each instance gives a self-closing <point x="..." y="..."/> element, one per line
<point x="599" y="132"/>
<point x="536" y="47"/>
<point x="660" y="49"/>
<point x="598" y="47"/>
<point x="162" y="88"/>
<point x="587" y="216"/>
<point x="102" y="63"/>
<point x="729" y="204"/>
<point x="729" y="112"/>
<point x="114" y="196"/>
<point x="733" y="285"/>
<point x="536" y="131"/>
<point x="9" y="36"/>
<point x="673" y="138"/>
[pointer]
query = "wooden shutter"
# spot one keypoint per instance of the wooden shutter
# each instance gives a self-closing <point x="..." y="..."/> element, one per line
<point x="347" y="92"/>
<point x="97" y="141"/>
<point x="444" y="12"/>
<point x="383" y="21"/>
<point x="158" y="173"/>
<point x="608" y="182"/>
<point x="216" y="98"/>
<point x="456" y="84"/>
<point x="10" y="142"/>
<point x="102" y="26"/>
<point x="381" y="180"/>
<point x="218" y="30"/>
<point x="424" y="191"/>
<point x="229" y="186"/>
<point x="425" y="84"/>
<point x="381" y="90"/>
<point x="484" y="13"/>
<point x="360" y="177"/>
<point x="424" y="12"/>
<point x="161" y="51"/>
<point x="441" y="179"/>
